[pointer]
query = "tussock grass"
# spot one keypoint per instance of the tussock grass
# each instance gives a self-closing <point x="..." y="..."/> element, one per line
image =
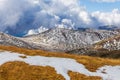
<point x="78" y="76"/>
<point x="22" y="71"/>
<point x="91" y="63"/>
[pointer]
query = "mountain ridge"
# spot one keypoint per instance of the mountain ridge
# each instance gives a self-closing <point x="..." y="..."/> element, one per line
<point x="59" y="39"/>
<point x="66" y="39"/>
<point x="9" y="40"/>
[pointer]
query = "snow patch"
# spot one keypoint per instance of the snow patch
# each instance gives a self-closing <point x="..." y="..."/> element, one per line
<point x="113" y="73"/>
<point x="62" y="65"/>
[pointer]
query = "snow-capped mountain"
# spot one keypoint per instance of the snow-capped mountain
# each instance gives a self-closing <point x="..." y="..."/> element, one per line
<point x="61" y="39"/>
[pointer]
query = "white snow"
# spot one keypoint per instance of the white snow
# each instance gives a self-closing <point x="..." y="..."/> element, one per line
<point x="113" y="73"/>
<point x="62" y="65"/>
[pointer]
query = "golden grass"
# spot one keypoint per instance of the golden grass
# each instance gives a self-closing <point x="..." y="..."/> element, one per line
<point x="78" y="76"/>
<point x="22" y="71"/>
<point x="91" y="63"/>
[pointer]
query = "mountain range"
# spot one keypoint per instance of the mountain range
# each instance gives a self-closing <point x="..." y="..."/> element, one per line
<point x="66" y="40"/>
<point x="41" y="56"/>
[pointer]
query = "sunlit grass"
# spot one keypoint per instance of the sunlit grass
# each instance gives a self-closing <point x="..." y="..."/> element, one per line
<point x="78" y="76"/>
<point x="91" y="63"/>
<point x="23" y="71"/>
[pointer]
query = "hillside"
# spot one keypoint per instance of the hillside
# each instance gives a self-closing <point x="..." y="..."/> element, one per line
<point x="19" y="65"/>
<point x="61" y="39"/>
<point x="9" y="40"/>
<point x="112" y="43"/>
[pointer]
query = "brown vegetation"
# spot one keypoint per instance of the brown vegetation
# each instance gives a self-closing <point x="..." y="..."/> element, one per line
<point x="91" y="63"/>
<point x="103" y="53"/>
<point x="78" y="76"/>
<point x="23" y="71"/>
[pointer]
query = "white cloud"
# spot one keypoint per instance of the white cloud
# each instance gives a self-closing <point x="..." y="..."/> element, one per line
<point x="108" y="18"/>
<point x="105" y="0"/>
<point x="23" y="15"/>
<point x="11" y="11"/>
<point x="63" y="9"/>
<point x="66" y="23"/>
<point x="36" y="31"/>
<point x="48" y="13"/>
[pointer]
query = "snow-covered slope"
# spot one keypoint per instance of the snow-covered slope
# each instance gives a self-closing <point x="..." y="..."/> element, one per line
<point x="8" y="40"/>
<point x="62" y="65"/>
<point x="112" y="43"/>
<point x="61" y="39"/>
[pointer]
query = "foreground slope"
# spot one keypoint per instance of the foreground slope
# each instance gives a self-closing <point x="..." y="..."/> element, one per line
<point x="62" y="65"/>
<point x="37" y="60"/>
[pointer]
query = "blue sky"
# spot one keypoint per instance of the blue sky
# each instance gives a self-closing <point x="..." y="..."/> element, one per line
<point x="92" y="6"/>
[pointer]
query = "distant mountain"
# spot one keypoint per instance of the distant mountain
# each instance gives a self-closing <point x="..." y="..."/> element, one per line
<point x="108" y="27"/>
<point x="9" y="40"/>
<point x="60" y="39"/>
<point x="63" y="40"/>
<point x="112" y="43"/>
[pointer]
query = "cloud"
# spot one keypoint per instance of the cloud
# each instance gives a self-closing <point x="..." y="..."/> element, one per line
<point x="11" y="11"/>
<point x="62" y="9"/>
<point x="105" y="0"/>
<point x="18" y="17"/>
<point x="107" y="18"/>
<point x="36" y="31"/>
<point x="21" y="16"/>
<point x="66" y="23"/>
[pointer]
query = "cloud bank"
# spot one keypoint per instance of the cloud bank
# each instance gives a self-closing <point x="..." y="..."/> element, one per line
<point x="18" y="17"/>
<point x="108" y="18"/>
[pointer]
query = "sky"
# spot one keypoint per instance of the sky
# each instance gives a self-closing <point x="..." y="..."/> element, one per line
<point x="29" y="16"/>
<point x="104" y="6"/>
